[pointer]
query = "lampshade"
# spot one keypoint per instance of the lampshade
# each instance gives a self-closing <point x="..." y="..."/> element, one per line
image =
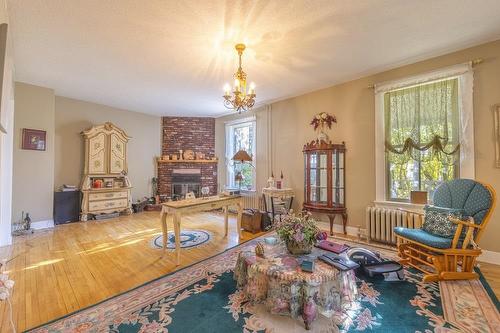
<point x="242" y="156"/>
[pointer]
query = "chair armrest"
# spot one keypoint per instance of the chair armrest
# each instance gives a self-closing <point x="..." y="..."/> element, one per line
<point x="470" y="225"/>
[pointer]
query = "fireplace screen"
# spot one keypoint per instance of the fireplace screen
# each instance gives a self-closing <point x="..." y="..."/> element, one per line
<point x="185" y="181"/>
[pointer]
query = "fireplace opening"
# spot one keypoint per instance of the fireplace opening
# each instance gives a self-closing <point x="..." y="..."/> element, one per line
<point x="185" y="181"/>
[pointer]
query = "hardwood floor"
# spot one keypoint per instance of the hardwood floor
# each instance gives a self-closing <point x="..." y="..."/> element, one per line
<point x="61" y="270"/>
<point x="72" y="266"/>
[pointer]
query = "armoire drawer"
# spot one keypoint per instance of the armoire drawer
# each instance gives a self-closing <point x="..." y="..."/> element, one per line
<point x="107" y="195"/>
<point x="107" y="204"/>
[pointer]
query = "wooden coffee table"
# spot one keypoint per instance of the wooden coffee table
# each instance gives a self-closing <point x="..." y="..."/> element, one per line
<point x="278" y="281"/>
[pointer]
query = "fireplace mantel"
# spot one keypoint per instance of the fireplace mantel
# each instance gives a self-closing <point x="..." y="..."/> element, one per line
<point x="187" y="161"/>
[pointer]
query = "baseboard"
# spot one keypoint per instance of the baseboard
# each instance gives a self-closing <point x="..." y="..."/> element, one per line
<point x="42" y="224"/>
<point x="490" y="257"/>
<point x="351" y="231"/>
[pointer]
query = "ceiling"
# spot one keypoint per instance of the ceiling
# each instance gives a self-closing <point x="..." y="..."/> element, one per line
<point x="173" y="57"/>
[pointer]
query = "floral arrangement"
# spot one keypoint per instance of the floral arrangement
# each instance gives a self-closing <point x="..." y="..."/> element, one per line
<point x="322" y="119"/>
<point x="299" y="229"/>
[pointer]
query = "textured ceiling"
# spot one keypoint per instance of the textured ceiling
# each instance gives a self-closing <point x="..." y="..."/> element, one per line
<point x="173" y="57"/>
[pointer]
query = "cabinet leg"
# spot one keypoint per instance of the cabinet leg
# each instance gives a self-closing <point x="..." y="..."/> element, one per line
<point x="84" y="217"/>
<point x="344" y="223"/>
<point x="331" y="218"/>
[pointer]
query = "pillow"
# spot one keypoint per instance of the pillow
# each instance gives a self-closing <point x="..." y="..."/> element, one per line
<point x="437" y="221"/>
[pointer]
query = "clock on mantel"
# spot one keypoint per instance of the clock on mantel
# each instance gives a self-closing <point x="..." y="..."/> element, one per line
<point x="324" y="180"/>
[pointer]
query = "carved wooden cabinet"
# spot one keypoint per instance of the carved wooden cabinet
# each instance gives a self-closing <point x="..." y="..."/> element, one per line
<point x="324" y="180"/>
<point x="105" y="184"/>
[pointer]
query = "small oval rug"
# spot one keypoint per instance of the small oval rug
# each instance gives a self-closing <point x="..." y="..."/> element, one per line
<point x="189" y="238"/>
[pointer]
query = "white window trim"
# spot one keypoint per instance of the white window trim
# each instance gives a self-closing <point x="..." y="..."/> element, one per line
<point x="229" y="175"/>
<point x="465" y="76"/>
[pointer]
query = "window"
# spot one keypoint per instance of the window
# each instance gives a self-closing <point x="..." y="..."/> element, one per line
<point x="424" y="132"/>
<point x="421" y="135"/>
<point x="240" y="135"/>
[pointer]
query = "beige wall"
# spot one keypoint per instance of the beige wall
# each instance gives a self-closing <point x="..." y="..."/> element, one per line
<point x="73" y="116"/>
<point x="353" y="105"/>
<point x="33" y="175"/>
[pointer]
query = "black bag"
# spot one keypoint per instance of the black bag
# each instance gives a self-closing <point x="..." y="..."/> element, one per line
<point x="266" y="221"/>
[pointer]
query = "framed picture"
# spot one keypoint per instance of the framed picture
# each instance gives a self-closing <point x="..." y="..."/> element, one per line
<point x="496" y="118"/>
<point x="33" y="139"/>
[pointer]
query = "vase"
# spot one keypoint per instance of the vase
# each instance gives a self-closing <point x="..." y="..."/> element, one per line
<point x="322" y="136"/>
<point x="298" y="248"/>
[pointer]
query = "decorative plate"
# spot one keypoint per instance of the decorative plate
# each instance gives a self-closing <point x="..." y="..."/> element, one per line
<point x="188" y="154"/>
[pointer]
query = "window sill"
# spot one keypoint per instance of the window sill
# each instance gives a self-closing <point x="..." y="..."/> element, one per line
<point x="418" y="208"/>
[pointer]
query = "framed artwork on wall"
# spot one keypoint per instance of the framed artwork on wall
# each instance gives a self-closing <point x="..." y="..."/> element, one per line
<point x="496" y="118"/>
<point x="33" y="139"/>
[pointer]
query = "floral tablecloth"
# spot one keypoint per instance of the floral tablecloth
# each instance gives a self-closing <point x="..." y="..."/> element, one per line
<point x="278" y="281"/>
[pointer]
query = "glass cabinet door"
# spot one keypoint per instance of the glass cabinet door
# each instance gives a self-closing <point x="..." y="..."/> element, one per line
<point x="338" y="186"/>
<point x="318" y="177"/>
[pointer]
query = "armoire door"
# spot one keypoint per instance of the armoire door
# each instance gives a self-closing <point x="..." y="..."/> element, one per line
<point x="117" y="154"/>
<point x="97" y="154"/>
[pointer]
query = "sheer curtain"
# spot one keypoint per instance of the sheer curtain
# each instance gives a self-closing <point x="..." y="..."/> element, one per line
<point x="422" y="126"/>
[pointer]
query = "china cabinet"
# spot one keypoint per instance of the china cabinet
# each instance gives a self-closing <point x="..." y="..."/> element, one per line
<point x="105" y="184"/>
<point x="324" y="180"/>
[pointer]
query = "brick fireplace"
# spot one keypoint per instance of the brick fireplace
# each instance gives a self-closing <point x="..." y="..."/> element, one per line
<point x="182" y="133"/>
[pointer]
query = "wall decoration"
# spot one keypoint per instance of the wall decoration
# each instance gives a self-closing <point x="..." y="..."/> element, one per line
<point x="496" y="115"/>
<point x="33" y="139"/>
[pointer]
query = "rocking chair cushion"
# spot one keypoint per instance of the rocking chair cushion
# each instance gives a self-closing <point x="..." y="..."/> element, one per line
<point x="473" y="197"/>
<point x="424" y="237"/>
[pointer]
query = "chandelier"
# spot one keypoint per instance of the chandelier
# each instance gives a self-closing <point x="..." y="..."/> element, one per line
<point x="240" y="99"/>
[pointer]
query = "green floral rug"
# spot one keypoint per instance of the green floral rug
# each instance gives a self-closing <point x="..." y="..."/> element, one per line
<point x="204" y="298"/>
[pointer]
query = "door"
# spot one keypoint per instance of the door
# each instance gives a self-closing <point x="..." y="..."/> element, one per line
<point x="117" y="154"/>
<point x="97" y="154"/>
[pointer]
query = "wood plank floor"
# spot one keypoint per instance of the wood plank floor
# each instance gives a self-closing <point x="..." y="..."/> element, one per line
<point x="72" y="266"/>
<point x="61" y="270"/>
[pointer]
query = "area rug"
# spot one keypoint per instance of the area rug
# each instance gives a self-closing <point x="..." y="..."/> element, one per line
<point x="203" y="298"/>
<point x="189" y="238"/>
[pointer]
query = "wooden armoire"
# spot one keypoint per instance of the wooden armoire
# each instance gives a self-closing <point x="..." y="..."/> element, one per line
<point x="105" y="184"/>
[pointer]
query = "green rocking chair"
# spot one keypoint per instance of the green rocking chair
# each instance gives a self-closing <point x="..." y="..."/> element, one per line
<point x="451" y="256"/>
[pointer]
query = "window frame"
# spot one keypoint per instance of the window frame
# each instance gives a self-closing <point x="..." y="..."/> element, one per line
<point x="229" y="163"/>
<point x="464" y="73"/>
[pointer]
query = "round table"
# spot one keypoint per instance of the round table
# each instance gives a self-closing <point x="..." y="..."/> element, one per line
<point x="278" y="281"/>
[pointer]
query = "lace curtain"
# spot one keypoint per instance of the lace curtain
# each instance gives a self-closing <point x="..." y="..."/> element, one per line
<point x="422" y="123"/>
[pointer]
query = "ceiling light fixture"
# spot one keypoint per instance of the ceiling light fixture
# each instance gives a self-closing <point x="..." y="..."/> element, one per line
<point x="239" y="99"/>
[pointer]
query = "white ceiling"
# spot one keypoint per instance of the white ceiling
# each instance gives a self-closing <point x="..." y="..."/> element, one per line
<point x="173" y="57"/>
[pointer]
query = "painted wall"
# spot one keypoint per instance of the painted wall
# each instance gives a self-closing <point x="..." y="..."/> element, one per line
<point x="7" y="137"/>
<point x="353" y="105"/>
<point x="73" y="116"/>
<point x="33" y="176"/>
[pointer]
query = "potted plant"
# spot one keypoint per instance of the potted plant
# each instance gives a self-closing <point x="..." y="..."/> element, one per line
<point x="299" y="232"/>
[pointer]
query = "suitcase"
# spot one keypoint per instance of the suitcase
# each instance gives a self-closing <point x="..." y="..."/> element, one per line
<point x="251" y="220"/>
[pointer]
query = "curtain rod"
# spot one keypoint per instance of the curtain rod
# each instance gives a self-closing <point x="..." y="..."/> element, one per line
<point x="473" y="62"/>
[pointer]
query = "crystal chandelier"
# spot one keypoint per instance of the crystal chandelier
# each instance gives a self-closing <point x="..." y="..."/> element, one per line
<point x="239" y="99"/>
